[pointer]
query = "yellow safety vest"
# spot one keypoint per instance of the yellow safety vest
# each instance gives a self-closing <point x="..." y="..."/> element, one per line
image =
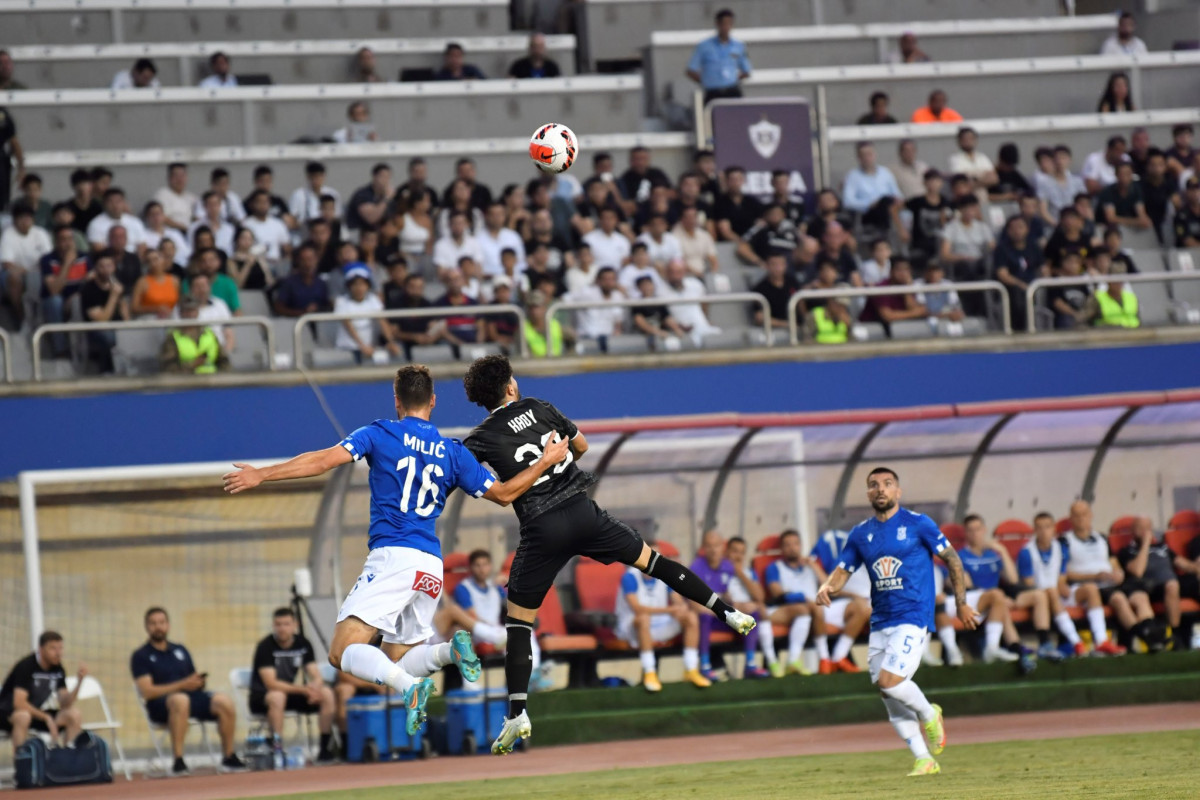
<point x="207" y="345"/>
<point x="829" y="331"/>
<point x="537" y="342"/>
<point x="1118" y="315"/>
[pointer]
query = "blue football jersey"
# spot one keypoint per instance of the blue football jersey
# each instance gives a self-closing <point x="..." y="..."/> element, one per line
<point x="828" y="549"/>
<point x="985" y="568"/>
<point x="899" y="556"/>
<point x="413" y="470"/>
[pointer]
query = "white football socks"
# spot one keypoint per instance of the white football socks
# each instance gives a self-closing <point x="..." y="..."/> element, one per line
<point x="691" y="658"/>
<point x="766" y="641"/>
<point x="1066" y="626"/>
<point x="1099" y="627"/>
<point x="906" y="725"/>
<point x="648" y="664"/>
<point x="949" y="639"/>
<point x="797" y="636"/>
<point x="372" y="664"/>
<point x="490" y="634"/>
<point x="992" y="633"/>
<point x="911" y="696"/>
<point x="842" y="648"/>
<point x="424" y="659"/>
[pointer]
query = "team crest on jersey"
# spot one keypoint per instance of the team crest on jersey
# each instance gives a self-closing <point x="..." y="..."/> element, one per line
<point x="887" y="573"/>
<point x="424" y="582"/>
<point x="901" y="533"/>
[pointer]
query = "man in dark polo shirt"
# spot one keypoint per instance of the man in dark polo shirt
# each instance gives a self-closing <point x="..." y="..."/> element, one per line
<point x="278" y="659"/>
<point x="34" y="695"/>
<point x="173" y="692"/>
<point x="774" y="234"/>
<point x="777" y="287"/>
<point x="1149" y="566"/>
<point x="1121" y="203"/>
<point x="735" y="211"/>
<point x="302" y="292"/>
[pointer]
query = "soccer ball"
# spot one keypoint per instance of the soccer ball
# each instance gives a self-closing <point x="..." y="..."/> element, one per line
<point x="552" y="148"/>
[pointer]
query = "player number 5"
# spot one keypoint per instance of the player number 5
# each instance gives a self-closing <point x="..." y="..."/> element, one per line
<point x="428" y="487"/>
<point x="531" y="448"/>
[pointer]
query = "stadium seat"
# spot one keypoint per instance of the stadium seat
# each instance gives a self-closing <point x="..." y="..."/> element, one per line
<point x="431" y="354"/>
<point x="1063" y="525"/>
<point x="968" y="326"/>
<point x="1183" y="260"/>
<point x="254" y="303"/>
<point x="911" y="329"/>
<point x="1154" y="304"/>
<point x="666" y="548"/>
<point x="552" y="628"/>
<point x="1120" y="533"/>
<point x="92" y="690"/>
<point x="136" y="351"/>
<point x="1185" y="519"/>
<point x="1013" y="534"/>
<point x="455" y="568"/>
<point x="470" y="352"/>
<point x="628" y="343"/>
<point x="868" y="332"/>
<point x="331" y="358"/>
<point x="955" y="534"/>
<point x="767" y="552"/>
<point x="734" y="339"/>
<point x="596" y="586"/>
<point x="1179" y="538"/>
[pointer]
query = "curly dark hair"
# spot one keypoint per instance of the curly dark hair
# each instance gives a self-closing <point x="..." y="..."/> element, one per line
<point x="486" y="381"/>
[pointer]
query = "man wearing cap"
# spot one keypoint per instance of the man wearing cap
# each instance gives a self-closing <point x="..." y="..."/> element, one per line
<point x="192" y="348"/>
<point x="360" y="336"/>
<point x="1187" y="218"/>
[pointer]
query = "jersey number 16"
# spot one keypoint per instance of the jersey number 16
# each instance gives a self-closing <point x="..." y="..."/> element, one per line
<point x="428" y="487"/>
<point x="531" y="448"/>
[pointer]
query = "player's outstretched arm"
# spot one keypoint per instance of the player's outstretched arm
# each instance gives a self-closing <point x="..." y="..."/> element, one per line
<point x="832" y="586"/>
<point x="966" y="614"/>
<point x="504" y="492"/>
<point x="305" y="465"/>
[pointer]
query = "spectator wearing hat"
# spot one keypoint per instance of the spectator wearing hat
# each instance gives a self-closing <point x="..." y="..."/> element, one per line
<point x="360" y="336"/>
<point x="720" y="63"/>
<point x="936" y="110"/>
<point x="219" y="76"/>
<point x="193" y="347"/>
<point x="143" y="75"/>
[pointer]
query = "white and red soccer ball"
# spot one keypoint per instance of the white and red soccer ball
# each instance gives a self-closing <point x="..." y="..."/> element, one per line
<point x="553" y="148"/>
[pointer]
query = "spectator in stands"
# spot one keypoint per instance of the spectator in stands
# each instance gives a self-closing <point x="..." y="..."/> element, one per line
<point x="975" y="165"/>
<point x="879" y="114"/>
<point x="269" y="231"/>
<point x="1158" y="191"/>
<point x="1010" y="184"/>
<point x="7" y="84"/>
<point x="878" y="267"/>
<point x="535" y="64"/>
<point x="609" y="246"/>
<point x="1057" y="190"/>
<point x="360" y="336"/>
<point x="697" y="245"/>
<point x="193" y="348"/>
<point x="221" y="230"/>
<point x="84" y="204"/>
<point x="827" y="277"/>
<point x="1100" y="168"/>
<point x="416" y="185"/>
<point x="837" y="246"/>
<point x="416" y="330"/>
<point x="870" y="189"/>
<point x="1181" y="153"/>
<point x="102" y="300"/>
<point x="516" y="210"/>
<point x="661" y="246"/>
<point x="1018" y="261"/>
<point x="678" y="285"/>
<point x="649" y="613"/>
<point x="889" y="308"/>
<point x="156" y="292"/>
<point x="143" y="75"/>
<point x="503" y="328"/>
<point x="638" y="266"/>
<point x="102" y="179"/>
<point x="720" y="63"/>
<point x="734" y="211"/>
<point x="454" y="66"/>
<point x="305" y="202"/>
<point x="364" y="67"/>
<point x="909" y="52"/>
<point x="460" y="200"/>
<point x="773" y="234"/>
<point x="1067" y="302"/>
<point x="1123" y="42"/>
<point x="1139" y="150"/>
<point x="777" y="286"/>
<point x="213" y="311"/>
<point x="177" y="202"/>
<point x="464" y="170"/>
<point x="936" y="110"/>
<point x="637" y="182"/>
<point x="22" y="246"/>
<point x="704" y="164"/>
<point x="301" y="292"/>
<point x="368" y="205"/>
<point x="63" y="271"/>
<point x="63" y="215"/>
<point x="208" y="262"/>
<point x="460" y="328"/>
<point x="449" y="249"/>
<point x="219" y="76"/>
<point x="1029" y="209"/>
<point x="1121" y="203"/>
<point x="656" y="322"/>
<point x="544" y="335"/>
<point x="415" y="228"/>
<point x="232" y="209"/>
<point x="1119" y="258"/>
<point x="967" y="242"/>
<point x="10" y="150"/>
<point x="793" y="206"/>
<point x="910" y="171"/>
<point x="115" y="214"/>
<point x="1068" y="237"/>
<point x="930" y="213"/>
<point x="173" y="692"/>
<point x="31" y="195"/>
<point x="605" y="321"/>
<point x="943" y="304"/>
<point x="264" y="181"/>
<point x="659" y="203"/>
<point x="129" y="265"/>
<point x="1113" y="305"/>
<point x="35" y="697"/>
<point x="1116" y="97"/>
<point x="1090" y="563"/>
<point x="558" y="248"/>
<point x="1187" y="218"/>
<point x="712" y="567"/>
<point x="358" y="127"/>
<point x="493" y="237"/>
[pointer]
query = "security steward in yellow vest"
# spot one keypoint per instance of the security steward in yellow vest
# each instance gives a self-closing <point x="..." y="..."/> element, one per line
<point x="1116" y="307"/>
<point x="829" y="323"/>
<point x="192" y="348"/>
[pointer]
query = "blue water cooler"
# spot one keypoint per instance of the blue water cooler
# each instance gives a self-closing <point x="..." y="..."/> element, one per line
<point x="366" y="723"/>
<point x="403" y="745"/>
<point x="466" y="721"/>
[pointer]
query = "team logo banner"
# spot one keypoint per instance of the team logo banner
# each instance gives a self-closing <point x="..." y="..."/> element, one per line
<point x="763" y="135"/>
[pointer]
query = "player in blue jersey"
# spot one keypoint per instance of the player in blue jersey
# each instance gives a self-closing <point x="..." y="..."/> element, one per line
<point x="413" y="470"/>
<point x="898" y="546"/>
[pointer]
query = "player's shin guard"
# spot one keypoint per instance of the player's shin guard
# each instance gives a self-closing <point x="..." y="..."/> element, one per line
<point x="906" y="725"/>
<point x="372" y="664"/>
<point x="518" y="663"/>
<point x="913" y="699"/>
<point x="425" y="659"/>
<point x="686" y="583"/>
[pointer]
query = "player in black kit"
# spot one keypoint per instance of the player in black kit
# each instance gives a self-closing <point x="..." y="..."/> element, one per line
<point x="558" y="522"/>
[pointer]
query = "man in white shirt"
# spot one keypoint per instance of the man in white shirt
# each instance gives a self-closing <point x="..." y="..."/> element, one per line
<point x="268" y="231"/>
<point x="609" y="246"/>
<point x="679" y="285"/>
<point x="176" y="201"/>
<point x="223" y="233"/>
<point x="449" y="249"/>
<point x="143" y="75"/>
<point x="495" y="238"/>
<point x="1057" y="190"/>
<point x="156" y="229"/>
<point x="305" y="202"/>
<point x="220" y="77"/>
<point x="600" y="323"/>
<point x="114" y="214"/>
<point x="1123" y="42"/>
<point x="695" y="243"/>
<point x="910" y="171"/>
<point x="975" y="165"/>
<point x="213" y="310"/>
<point x="232" y="209"/>
<point x="1100" y="168"/>
<point x="662" y="246"/>
<point x="22" y="246"/>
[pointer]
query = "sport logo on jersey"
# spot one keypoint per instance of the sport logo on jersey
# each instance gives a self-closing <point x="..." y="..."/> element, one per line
<point x="424" y="582"/>
<point x="887" y="571"/>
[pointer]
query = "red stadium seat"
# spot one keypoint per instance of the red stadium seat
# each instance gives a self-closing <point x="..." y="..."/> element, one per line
<point x="1013" y="534"/>
<point x="1120" y="533"/>
<point x="955" y="534"/>
<point x="1063" y="525"/>
<point x="667" y="549"/>
<point x="769" y="545"/>
<point x="1185" y="519"/>
<point x="1178" y="539"/>
<point x="553" y="628"/>
<point x="760" y="563"/>
<point x="597" y="585"/>
<point x="455" y="569"/>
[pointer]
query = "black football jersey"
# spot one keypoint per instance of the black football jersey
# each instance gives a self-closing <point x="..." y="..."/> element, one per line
<point x="512" y="438"/>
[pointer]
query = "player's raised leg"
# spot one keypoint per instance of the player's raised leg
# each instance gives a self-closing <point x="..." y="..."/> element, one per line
<point x="689" y="586"/>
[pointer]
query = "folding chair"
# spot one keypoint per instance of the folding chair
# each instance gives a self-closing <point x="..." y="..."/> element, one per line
<point x="92" y="690"/>
<point x="239" y="679"/>
<point x="159" y="732"/>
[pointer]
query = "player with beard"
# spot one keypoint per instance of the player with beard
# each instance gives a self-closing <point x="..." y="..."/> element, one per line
<point x="898" y="546"/>
<point x="558" y="522"/>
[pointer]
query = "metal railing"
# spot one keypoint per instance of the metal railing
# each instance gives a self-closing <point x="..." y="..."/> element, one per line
<point x="440" y="312"/>
<point x="6" y="344"/>
<point x="1094" y="280"/>
<point x="653" y="302"/>
<point x="877" y="291"/>
<point x="143" y="324"/>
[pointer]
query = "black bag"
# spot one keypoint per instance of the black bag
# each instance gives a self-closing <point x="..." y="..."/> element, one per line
<point x="86" y="762"/>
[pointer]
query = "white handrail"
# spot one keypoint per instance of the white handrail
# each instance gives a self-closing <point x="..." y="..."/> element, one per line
<point x="34" y="6"/>
<point x="142" y="324"/>
<point x="847" y="134"/>
<point x="1091" y="280"/>
<point x="480" y="310"/>
<point x="650" y="302"/>
<point x="877" y="291"/>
